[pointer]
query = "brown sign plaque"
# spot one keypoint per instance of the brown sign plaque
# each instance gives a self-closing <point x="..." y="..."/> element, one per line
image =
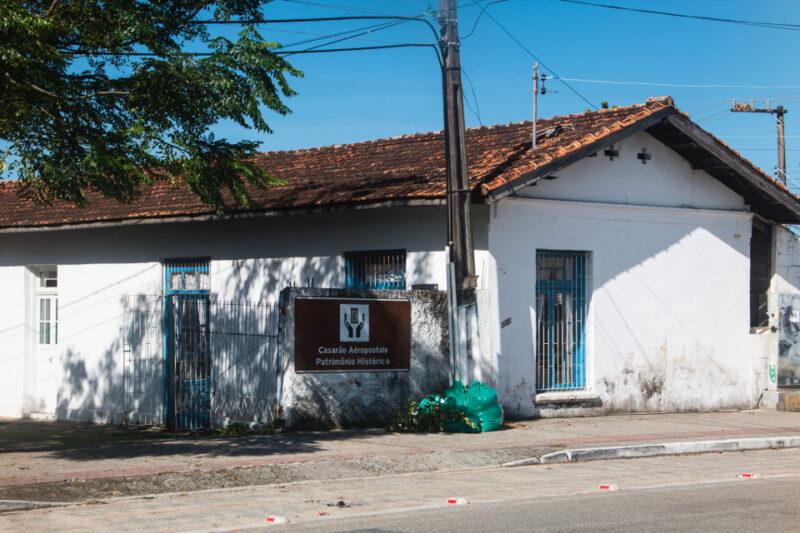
<point x="339" y="335"/>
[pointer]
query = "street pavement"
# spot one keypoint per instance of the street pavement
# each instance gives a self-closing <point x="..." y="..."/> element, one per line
<point x="40" y="459"/>
<point x="694" y="492"/>
<point x="726" y="506"/>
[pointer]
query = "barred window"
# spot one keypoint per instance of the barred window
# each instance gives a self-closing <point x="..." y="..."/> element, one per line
<point x="378" y="269"/>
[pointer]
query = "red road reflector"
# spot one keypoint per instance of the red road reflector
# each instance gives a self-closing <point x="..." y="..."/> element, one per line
<point x="608" y="486"/>
<point x="456" y="501"/>
<point x="746" y="475"/>
<point x="276" y="520"/>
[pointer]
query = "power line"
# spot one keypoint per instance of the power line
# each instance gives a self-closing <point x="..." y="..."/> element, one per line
<point x="321" y="36"/>
<point x="341" y="7"/>
<point x="680" y="85"/>
<point x="313" y="50"/>
<point x="477" y="110"/>
<point x="525" y="48"/>
<point x="260" y="21"/>
<point x="395" y="20"/>
<point x="478" y="18"/>
<point x="769" y="25"/>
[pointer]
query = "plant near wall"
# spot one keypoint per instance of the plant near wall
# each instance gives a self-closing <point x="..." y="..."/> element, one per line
<point x="429" y="415"/>
<point x="95" y="96"/>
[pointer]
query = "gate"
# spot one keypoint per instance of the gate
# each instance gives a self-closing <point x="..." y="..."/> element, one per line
<point x="189" y="362"/>
<point x="561" y="281"/>
<point x="143" y="359"/>
<point x="221" y="361"/>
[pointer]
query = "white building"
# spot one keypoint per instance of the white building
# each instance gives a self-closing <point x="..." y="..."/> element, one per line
<point x="629" y="263"/>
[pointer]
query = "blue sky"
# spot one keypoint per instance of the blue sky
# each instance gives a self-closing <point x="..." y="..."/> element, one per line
<point x="365" y="95"/>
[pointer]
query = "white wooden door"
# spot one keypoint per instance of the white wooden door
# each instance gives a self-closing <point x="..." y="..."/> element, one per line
<point x="46" y="354"/>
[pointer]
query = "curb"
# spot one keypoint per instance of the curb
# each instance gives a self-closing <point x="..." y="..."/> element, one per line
<point x="654" y="450"/>
<point x="9" y="506"/>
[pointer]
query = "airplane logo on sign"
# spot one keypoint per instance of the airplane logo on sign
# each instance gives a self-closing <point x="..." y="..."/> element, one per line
<point x="353" y="323"/>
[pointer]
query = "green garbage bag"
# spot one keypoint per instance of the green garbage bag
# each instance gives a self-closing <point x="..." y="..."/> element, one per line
<point x="455" y="407"/>
<point x="483" y="407"/>
<point x="479" y="405"/>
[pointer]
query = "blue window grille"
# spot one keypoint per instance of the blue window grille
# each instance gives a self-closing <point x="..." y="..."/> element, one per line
<point x="561" y="307"/>
<point x="379" y="270"/>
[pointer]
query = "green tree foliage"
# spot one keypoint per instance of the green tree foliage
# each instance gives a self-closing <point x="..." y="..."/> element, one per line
<point x="107" y="96"/>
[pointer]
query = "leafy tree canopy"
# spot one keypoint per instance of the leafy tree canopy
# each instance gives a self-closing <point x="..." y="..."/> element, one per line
<point x="106" y="96"/>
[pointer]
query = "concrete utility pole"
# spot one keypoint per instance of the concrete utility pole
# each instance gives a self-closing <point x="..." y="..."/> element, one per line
<point x="535" y="101"/>
<point x="779" y="112"/>
<point x="458" y="189"/>
<point x="461" y="263"/>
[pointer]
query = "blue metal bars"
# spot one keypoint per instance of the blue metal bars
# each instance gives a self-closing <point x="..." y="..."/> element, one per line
<point x="561" y="306"/>
<point x="187" y="353"/>
<point x="379" y="270"/>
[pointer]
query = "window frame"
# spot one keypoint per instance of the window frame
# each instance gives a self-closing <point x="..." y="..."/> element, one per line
<point x="394" y="259"/>
<point x="46" y="289"/>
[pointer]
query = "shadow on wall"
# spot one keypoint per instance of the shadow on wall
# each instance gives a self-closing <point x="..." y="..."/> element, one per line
<point x="123" y="381"/>
<point x="651" y="349"/>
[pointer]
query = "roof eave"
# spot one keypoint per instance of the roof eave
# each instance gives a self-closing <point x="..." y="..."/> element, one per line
<point x="764" y="196"/>
<point x="575" y="156"/>
<point x="268" y="213"/>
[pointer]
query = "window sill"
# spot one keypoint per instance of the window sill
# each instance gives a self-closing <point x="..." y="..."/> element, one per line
<point x="568" y="398"/>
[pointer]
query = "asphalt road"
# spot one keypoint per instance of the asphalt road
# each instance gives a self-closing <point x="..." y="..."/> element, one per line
<point x="691" y="492"/>
<point x="736" y="506"/>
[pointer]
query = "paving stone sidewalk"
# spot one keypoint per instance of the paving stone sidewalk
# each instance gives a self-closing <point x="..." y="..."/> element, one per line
<point x="75" y="462"/>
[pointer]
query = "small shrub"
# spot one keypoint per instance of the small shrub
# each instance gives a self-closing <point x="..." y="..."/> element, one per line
<point x="434" y="416"/>
<point x="234" y="429"/>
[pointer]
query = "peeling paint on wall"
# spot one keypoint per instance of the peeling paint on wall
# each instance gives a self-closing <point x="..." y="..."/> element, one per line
<point x="365" y="398"/>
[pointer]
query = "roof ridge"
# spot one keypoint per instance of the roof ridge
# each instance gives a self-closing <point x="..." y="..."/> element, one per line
<point x="424" y="135"/>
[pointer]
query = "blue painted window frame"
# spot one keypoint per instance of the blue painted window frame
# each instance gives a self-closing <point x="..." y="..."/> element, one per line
<point x="561" y="315"/>
<point x="375" y="269"/>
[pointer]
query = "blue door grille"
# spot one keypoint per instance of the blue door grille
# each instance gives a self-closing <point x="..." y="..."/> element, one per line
<point x="561" y="279"/>
<point x="187" y="354"/>
<point x="378" y="270"/>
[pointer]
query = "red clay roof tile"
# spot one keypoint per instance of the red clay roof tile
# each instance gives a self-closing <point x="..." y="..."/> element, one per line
<point x="401" y="168"/>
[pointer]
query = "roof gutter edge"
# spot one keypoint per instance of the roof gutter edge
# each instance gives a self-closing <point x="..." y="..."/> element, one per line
<point x="145" y="221"/>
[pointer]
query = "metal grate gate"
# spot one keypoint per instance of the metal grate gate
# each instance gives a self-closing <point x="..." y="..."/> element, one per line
<point x="189" y="362"/>
<point x="143" y="359"/>
<point x="561" y="280"/>
<point x="223" y="356"/>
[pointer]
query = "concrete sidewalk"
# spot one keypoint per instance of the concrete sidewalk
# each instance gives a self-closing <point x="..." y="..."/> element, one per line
<point x="165" y="463"/>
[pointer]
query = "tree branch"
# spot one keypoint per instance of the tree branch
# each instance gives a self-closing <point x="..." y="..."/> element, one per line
<point x="51" y="8"/>
<point x="104" y="93"/>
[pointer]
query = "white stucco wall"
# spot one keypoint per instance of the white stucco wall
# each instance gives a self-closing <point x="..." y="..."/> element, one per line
<point x="668" y="323"/>
<point x="13" y="329"/>
<point x="787" y="262"/>
<point x="249" y="260"/>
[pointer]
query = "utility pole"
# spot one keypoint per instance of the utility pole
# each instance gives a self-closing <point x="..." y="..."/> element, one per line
<point x="779" y="112"/>
<point x="535" y="101"/>
<point x="459" y="224"/>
